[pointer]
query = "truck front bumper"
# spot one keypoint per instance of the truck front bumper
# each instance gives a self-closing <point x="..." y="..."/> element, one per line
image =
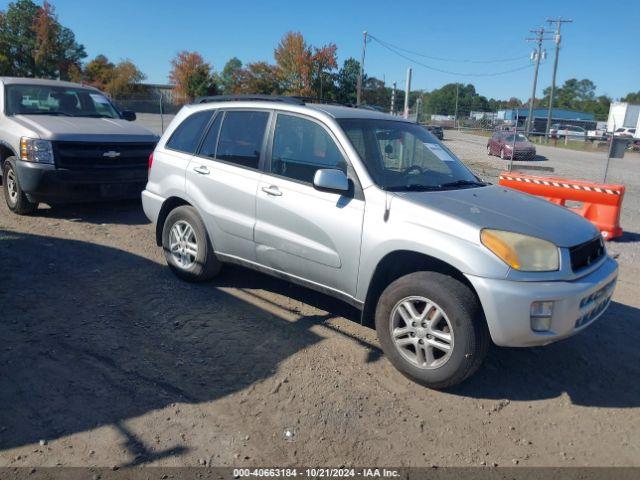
<point x="46" y="183"/>
<point x="576" y="305"/>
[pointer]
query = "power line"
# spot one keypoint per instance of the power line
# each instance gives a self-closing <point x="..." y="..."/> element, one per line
<point x="449" y="72"/>
<point x="443" y="59"/>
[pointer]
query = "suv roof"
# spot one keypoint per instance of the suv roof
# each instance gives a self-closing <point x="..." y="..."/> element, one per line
<point x="294" y="104"/>
<point x="43" y="81"/>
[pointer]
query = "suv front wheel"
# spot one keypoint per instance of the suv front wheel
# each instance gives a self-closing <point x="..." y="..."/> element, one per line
<point x="16" y="199"/>
<point x="432" y="329"/>
<point x="187" y="247"/>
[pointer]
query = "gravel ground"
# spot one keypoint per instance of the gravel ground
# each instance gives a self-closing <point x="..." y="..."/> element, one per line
<point x="107" y="359"/>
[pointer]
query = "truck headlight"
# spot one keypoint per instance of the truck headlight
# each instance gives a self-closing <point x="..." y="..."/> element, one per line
<point x="522" y="252"/>
<point x="36" y="150"/>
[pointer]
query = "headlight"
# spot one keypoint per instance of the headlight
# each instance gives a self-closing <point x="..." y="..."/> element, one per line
<point x="36" y="150"/>
<point x="522" y="252"/>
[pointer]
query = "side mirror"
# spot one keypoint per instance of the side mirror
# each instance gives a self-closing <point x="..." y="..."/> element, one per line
<point x="128" y="115"/>
<point x="331" y="180"/>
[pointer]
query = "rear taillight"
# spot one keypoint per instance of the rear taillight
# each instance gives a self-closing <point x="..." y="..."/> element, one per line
<point x="150" y="160"/>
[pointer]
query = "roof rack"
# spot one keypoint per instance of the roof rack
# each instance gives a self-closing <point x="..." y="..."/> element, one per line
<point x="250" y="98"/>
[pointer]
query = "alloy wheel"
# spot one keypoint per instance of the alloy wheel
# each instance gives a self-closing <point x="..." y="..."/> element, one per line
<point x="12" y="186"/>
<point x="183" y="244"/>
<point x="421" y="332"/>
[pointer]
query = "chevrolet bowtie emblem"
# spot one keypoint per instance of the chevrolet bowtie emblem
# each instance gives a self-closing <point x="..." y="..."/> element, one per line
<point x="111" y="154"/>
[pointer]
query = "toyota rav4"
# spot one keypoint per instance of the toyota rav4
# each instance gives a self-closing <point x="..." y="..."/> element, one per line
<point x="374" y="210"/>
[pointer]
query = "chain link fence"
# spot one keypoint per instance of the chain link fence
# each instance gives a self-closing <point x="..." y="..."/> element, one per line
<point x="153" y="109"/>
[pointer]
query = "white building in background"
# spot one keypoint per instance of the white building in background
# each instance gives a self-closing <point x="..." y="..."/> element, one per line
<point x="483" y="115"/>
<point x="442" y="118"/>
<point x="623" y="114"/>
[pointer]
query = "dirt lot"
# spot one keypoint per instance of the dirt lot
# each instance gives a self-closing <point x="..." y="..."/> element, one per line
<point x="107" y="359"/>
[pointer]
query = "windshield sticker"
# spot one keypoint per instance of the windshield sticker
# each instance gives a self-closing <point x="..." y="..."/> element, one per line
<point x="99" y="98"/>
<point x="439" y="152"/>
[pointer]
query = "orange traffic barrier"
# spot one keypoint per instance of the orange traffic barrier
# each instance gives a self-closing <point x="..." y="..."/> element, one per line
<point x="601" y="203"/>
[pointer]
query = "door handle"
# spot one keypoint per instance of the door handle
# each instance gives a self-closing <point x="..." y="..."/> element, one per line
<point x="202" y="170"/>
<point x="272" y="190"/>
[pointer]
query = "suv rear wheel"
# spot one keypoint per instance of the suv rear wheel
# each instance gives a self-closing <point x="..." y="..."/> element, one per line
<point x="187" y="247"/>
<point x="432" y="329"/>
<point x="16" y="199"/>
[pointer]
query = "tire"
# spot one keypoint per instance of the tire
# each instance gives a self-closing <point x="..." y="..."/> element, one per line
<point x="460" y="316"/>
<point x="193" y="266"/>
<point x="16" y="199"/>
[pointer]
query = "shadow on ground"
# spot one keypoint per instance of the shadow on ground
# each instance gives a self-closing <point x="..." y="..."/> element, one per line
<point x="628" y="237"/>
<point x="94" y="336"/>
<point x="596" y="368"/>
<point x="122" y="212"/>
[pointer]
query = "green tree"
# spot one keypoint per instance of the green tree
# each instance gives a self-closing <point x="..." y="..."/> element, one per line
<point x="258" y="78"/>
<point x="347" y="81"/>
<point x="579" y="95"/>
<point x="631" y="97"/>
<point x="98" y="72"/>
<point x="442" y="101"/>
<point x="115" y="79"/>
<point x="230" y="76"/>
<point x="33" y="43"/>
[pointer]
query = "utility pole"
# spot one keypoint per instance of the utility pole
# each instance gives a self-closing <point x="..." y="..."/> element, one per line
<point x="360" y="77"/>
<point x="539" y="38"/>
<point x="393" y="99"/>
<point x="455" y="115"/>
<point x="406" y="93"/>
<point x="558" y="21"/>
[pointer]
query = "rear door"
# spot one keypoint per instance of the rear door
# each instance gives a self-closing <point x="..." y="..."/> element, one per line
<point x="222" y="179"/>
<point x="299" y="230"/>
<point x="167" y="177"/>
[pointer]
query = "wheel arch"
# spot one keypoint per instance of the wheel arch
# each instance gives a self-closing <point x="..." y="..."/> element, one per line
<point x="167" y="206"/>
<point x="6" y="151"/>
<point x="399" y="263"/>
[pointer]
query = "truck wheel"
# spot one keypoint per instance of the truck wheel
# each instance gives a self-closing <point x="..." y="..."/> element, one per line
<point x="187" y="247"/>
<point x="432" y="329"/>
<point x="16" y="199"/>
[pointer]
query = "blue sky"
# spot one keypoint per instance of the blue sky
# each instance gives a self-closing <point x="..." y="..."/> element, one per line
<point x="601" y="44"/>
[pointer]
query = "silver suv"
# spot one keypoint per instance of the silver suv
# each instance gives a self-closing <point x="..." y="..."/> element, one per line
<point x="60" y="142"/>
<point x="375" y="211"/>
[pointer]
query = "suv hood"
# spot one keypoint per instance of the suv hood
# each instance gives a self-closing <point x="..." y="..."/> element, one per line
<point x="505" y="209"/>
<point x="85" y="129"/>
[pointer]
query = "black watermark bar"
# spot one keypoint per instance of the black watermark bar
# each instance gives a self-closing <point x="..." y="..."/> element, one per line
<point x="224" y="473"/>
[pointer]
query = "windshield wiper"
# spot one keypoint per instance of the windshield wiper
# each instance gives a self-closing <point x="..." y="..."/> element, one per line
<point x="413" y="188"/>
<point x="462" y="183"/>
<point x="54" y="113"/>
<point x="95" y="115"/>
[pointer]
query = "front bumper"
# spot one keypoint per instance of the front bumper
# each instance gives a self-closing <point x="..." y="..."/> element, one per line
<point x="577" y="304"/>
<point x="522" y="154"/>
<point x="46" y="183"/>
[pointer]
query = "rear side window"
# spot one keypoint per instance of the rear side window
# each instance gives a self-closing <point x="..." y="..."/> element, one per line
<point x="187" y="136"/>
<point x="210" y="141"/>
<point x="241" y="137"/>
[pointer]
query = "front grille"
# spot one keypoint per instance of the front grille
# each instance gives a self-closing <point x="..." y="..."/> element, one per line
<point x="593" y="305"/>
<point x="586" y="253"/>
<point x="91" y="155"/>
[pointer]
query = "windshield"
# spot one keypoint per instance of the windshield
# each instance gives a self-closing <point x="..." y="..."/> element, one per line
<point x="54" y="100"/>
<point x="404" y="156"/>
<point x="519" y="138"/>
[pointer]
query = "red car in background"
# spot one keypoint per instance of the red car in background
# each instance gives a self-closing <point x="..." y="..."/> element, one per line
<point x="501" y="143"/>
